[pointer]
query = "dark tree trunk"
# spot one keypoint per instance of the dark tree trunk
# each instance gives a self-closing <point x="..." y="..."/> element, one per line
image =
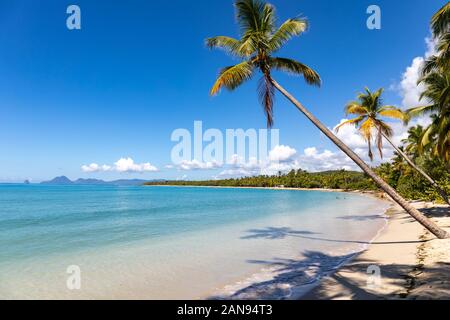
<point x="427" y="223"/>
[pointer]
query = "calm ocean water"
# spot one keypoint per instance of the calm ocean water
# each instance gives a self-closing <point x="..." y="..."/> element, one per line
<point x="168" y="242"/>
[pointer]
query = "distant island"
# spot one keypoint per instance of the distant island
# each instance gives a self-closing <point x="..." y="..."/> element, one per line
<point x="63" y="180"/>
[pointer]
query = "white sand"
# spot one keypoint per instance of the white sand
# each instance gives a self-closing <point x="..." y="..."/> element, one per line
<point x="413" y="264"/>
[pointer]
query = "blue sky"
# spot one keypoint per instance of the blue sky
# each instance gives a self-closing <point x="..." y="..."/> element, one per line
<point x="137" y="70"/>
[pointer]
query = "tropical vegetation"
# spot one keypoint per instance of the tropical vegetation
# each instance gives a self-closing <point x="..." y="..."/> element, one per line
<point x="436" y="96"/>
<point x="340" y="179"/>
<point x="260" y="40"/>
<point x="369" y="111"/>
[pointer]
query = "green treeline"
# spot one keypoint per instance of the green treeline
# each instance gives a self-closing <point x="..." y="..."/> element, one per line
<point x="397" y="173"/>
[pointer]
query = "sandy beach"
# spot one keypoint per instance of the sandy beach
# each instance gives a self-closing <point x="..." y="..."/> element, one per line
<point x="411" y="263"/>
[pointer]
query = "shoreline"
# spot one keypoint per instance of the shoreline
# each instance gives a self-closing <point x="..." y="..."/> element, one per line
<point x="304" y="291"/>
<point x="411" y="263"/>
<point x="378" y="194"/>
<point x="299" y="291"/>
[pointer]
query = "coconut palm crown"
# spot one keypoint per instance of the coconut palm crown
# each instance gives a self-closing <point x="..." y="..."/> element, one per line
<point x="440" y="26"/>
<point x="440" y="22"/>
<point x="259" y="40"/>
<point x="368" y="109"/>
<point x="437" y="94"/>
<point x="412" y="142"/>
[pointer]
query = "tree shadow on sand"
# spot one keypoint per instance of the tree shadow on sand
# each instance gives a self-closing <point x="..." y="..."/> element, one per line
<point x="299" y="278"/>
<point x="434" y="212"/>
<point x="275" y="233"/>
<point x="289" y="274"/>
<point x="361" y="218"/>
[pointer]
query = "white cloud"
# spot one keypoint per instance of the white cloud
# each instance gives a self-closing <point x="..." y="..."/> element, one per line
<point x="314" y="160"/>
<point x="235" y="172"/>
<point x="128" y="165"/>
<point x="198" y="165"/>
<point x="409" y="90"/>
<point x="310" y="152"/>
<point x="93" y="167"/>
<point x="285" y="159"/>
<point x="281" y="153"/>
<point x="350" y="135"/>
<point x="123" y="165"/>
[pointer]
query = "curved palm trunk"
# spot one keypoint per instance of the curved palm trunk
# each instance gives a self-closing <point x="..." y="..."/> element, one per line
<point x="427" y="223"/>
<point x="423" y="173"/>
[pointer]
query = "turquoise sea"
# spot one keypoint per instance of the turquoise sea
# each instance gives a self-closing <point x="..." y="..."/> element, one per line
<point x="172" y="242"/>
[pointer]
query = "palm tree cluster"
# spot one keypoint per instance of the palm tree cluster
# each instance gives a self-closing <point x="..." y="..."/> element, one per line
<point x="259" y="40"/>
<point x="436" y="96"/>
<point x="370" y="111"/>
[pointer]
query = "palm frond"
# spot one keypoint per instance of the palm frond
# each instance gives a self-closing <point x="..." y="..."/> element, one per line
<point x="355" y="108"/>
<point x="355" y="122"/>
<point x="296" y="68"/>
<point x="230" y="45"/>
<point x="366" y="132"/>
<point x="232" y="77"/>
<point x="431" y="64"/>
<point x="366" y="128"/>
<point x="440" y="22"/>
<point x="385" y="128"/>
<point x="266" y="93"/>
<point x="255" y="16"/>
<point x="371" y="100"/>
<point x="421" y="110"/>
<point x="379" y="141"/>
<point x="394" y="113"/>
<point x="290" y="28"/>
<point x="441" y="60"/>
<point x="268" y="18"/>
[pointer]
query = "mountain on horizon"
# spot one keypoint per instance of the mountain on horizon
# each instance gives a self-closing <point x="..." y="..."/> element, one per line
<point x="63" y="180"/>
<point x="59" y="180"/>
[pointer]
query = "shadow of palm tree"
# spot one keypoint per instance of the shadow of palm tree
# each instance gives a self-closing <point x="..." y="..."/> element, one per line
<point x="361" y="218"/>
<point x="290" y="274"/>
<point x="294" y="277"/>
<point x="434" y="212"/>
<point x="437" y="212"/>
<point x="275" y="233"/>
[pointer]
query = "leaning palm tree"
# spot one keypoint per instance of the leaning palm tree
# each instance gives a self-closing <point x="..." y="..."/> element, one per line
<point x="260" y="39"/>
<point x="369" y="111"/>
